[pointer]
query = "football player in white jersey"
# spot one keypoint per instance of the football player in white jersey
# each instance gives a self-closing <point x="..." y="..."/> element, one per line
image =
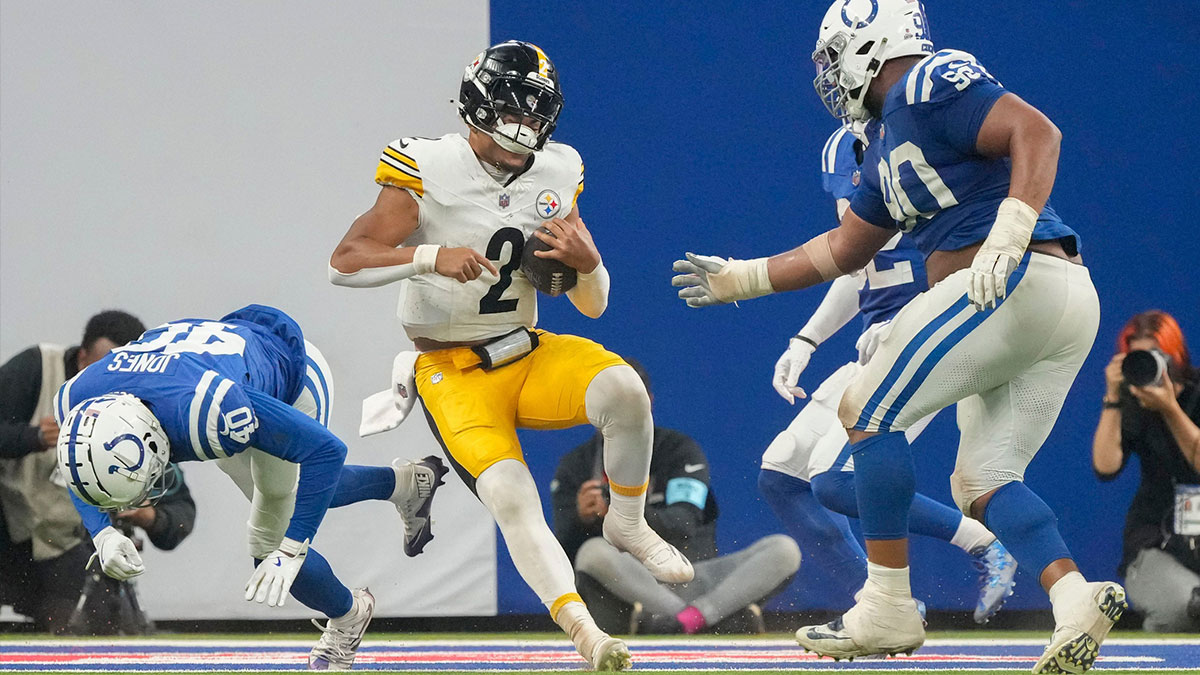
<point x="807" y="472"/>
<point x="965" y="168"/>
<point x="451" y="220"/>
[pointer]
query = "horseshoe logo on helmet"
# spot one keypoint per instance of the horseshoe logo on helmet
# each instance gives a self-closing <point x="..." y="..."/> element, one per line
<point x="859" y="22"/>
<point x="121" y="439"/>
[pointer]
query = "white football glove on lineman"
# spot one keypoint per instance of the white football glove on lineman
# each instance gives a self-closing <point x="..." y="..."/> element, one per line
<point x="273" y="577"/>
<point x="1001" y="253"/>
<point x="791" y="363"/>
<point x="118" y="556"/>
<point x="712" y="280"/>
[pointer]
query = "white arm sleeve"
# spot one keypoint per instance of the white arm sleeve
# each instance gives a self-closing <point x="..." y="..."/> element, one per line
<point x="590" y="294"/>
<point x="370" y="277"/>
<point x="837" y="308"/>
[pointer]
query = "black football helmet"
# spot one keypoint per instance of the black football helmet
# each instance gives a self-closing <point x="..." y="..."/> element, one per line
<point x="513" y="80"/>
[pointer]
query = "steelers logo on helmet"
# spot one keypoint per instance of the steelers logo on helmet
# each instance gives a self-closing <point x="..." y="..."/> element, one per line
<point x="511" y="93"/>
<point x="548" y="204"/>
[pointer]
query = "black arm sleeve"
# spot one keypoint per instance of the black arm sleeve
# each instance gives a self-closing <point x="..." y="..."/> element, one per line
<point x="174" y="517"/>
<point x="574" y="469"/>
<point x="20" y="384"/>
<point x="680" y="458"/>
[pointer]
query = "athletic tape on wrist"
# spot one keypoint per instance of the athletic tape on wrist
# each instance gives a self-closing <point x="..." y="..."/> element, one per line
<point x="425" y="258"/>
<point x="820" y="253"/>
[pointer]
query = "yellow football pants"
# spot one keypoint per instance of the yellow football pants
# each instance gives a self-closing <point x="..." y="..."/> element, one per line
<point x="476" y="413"/>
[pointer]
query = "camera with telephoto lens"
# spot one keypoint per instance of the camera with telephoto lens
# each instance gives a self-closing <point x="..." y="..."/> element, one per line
<point x="1143" y="367"/>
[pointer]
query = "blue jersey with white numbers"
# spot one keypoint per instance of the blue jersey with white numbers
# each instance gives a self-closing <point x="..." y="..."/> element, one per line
<point x="897" y="272"/>
<point x="217" y="388"/>
<point x="921" y="171"/>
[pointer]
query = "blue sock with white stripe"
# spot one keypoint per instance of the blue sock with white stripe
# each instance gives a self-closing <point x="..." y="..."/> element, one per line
<point x="835" y="491"/>
<point x="885" y="480"/>
<point x="1026" y="527"/>
<point x="823" y="536"/>
<point x="361" y="483"/>
<point x="317" y="587"/>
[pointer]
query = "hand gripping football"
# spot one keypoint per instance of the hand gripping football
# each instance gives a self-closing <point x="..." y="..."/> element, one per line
<point x="547" y="275"/>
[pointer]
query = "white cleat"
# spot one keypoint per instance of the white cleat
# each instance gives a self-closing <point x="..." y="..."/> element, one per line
<point x="874" y="625"/>
<point x="663" y="560"/>
<point x="341" y="637"/>
<point x="610" y="655"/>
<point x="416" y="483"/>
<point x="1076" y="641"/>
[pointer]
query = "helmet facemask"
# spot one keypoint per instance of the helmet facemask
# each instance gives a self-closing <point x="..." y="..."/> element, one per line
<point x="841" y="89"/>
<point x="113" y="453"/>
<point x="510" y="92"/>
<point x="519" y="112"/>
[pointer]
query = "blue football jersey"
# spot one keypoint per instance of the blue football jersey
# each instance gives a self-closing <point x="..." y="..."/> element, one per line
<point x="897" y="272"/>
<point x="217" y="388"/>
<point x="921" y="171"/>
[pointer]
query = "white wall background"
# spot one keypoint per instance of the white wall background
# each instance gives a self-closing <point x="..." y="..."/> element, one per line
<point x="185" y="159"/>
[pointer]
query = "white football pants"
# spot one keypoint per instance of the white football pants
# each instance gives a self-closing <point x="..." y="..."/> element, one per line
<point x="1008" y="368"/>
<point x="270" y="482"/>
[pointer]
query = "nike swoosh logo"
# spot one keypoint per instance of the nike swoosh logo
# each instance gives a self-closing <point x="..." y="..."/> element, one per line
<point x="692" y="468"/>
<point x="278" y="562"/>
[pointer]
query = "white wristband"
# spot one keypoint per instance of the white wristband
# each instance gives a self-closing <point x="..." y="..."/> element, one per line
<point x="425" y="258"/>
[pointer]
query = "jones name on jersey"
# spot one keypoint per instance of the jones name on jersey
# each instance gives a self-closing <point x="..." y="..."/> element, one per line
<point x="461" y="205"/>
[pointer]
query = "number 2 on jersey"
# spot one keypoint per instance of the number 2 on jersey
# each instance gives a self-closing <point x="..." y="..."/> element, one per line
<point x="491" y="302"/>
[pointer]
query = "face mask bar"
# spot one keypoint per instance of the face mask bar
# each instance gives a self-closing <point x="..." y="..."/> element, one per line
<point x="526" y="101"/>
<point x="827" y="58"/>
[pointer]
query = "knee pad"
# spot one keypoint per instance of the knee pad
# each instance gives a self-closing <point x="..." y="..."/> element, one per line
<point x="617" y="396"/>
<point x="265" y="537"/>
<point x="507" y="490"/>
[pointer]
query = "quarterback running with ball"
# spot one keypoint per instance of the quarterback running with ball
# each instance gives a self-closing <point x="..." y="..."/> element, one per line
<point x="966" y="169"/>
<point x="451" y="220"/>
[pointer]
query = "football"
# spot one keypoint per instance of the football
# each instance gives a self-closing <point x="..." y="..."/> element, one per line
<point x="548" y="276"/>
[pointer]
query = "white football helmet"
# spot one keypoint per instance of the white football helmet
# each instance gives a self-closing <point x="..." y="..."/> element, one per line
<point x="113" y="452"/>
<point x="857" y="37"/>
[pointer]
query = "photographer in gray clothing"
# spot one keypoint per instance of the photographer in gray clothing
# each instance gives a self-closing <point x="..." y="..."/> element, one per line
<point x="619" y="591"/>
<point x="42" y="548"/>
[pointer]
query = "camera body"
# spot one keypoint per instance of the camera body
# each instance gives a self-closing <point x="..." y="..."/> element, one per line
<point x="1143" y="367"/>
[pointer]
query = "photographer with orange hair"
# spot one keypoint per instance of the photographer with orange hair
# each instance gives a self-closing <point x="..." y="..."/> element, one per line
<point x="1151" y="409"/>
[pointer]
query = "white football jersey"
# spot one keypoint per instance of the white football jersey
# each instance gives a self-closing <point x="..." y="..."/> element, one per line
<point x="462" y="206"/>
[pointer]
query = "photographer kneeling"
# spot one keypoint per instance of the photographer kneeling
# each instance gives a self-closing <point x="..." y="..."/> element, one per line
<point x="1151" y="409"/>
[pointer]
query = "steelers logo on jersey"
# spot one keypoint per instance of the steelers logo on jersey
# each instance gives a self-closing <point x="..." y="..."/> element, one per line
<point x="548" y="204"/>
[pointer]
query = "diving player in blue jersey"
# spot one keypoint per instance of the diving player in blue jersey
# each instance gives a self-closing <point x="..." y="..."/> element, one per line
<point x="966" y="169"/>
<point x="804" y="469"/>
<point x="249" y="392"/>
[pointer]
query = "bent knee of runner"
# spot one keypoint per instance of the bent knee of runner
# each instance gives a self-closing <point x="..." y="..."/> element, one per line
<point x="507" y="490"/>
<point x="616" y="397"/>
<point x="968" y="486"/>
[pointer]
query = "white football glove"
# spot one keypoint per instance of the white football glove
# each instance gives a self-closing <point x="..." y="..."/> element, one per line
<point x="118" y="556"/>
<point x="791" y="363"/>
<point x="1001" y="253"/>
<point x="273" y="577"/>
<point x="712" y="280"/>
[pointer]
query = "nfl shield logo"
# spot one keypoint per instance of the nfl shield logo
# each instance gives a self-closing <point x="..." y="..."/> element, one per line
<point x="504" y="200"/>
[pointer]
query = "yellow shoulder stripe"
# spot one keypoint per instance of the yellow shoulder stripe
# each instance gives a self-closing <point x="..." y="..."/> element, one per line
<point x="387" y="174"/>
<point x="400" y="156"/>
